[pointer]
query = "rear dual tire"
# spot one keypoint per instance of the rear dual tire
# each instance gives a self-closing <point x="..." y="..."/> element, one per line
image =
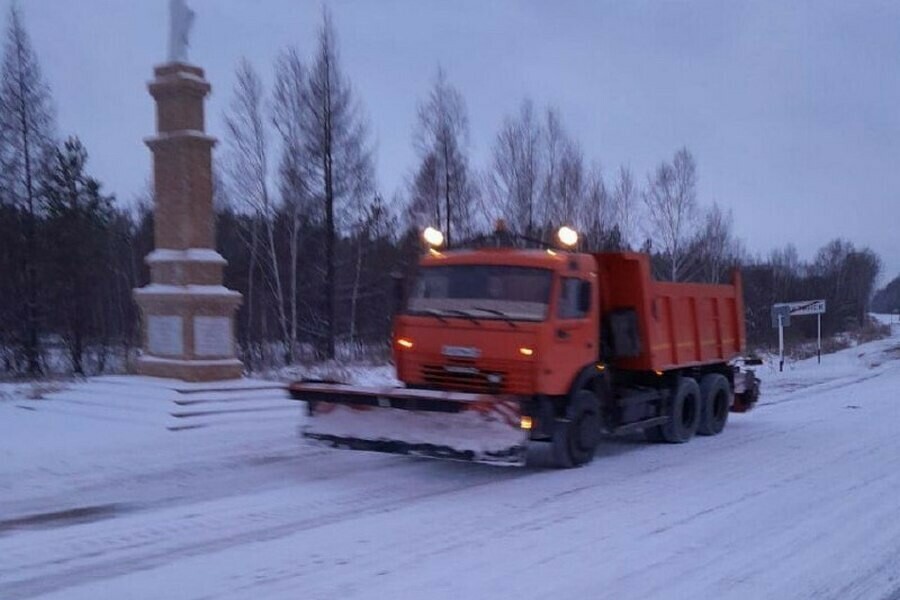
<point x="684" y="412"/>
<point x="716" y="395"/>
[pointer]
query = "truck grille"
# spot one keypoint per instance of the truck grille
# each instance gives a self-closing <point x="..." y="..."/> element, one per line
<point x="490" y="377"/>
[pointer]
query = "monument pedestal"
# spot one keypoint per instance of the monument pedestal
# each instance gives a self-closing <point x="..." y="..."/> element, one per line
<point x="187" y="313"/>
<point x="188" y="331"/>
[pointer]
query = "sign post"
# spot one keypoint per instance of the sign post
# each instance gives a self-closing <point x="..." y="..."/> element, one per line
<point x="819" y="339"/>
<point x="780" y="343"/>
<point x="781" y="318"/>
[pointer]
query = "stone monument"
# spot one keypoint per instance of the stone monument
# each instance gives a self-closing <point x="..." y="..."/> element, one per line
<point x="187" y="314"/>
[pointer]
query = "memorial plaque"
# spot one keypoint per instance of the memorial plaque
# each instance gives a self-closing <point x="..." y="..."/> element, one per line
<point x="212" y="336"/>
<point x="165" y="335"/>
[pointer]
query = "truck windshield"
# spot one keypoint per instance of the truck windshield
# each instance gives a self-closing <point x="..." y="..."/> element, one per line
<point x="482" y="291"/>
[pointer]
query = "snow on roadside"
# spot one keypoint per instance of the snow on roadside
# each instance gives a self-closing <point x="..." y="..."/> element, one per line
<point x="65" y="444"/>
<point x="843" y="365"/>
<point x="886" y="318"/>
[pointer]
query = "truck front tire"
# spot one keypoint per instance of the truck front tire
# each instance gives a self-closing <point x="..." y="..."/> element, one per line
<point x="575" y="438"/>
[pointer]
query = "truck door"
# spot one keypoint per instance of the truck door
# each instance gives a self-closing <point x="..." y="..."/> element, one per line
<point x="576" y="331"/>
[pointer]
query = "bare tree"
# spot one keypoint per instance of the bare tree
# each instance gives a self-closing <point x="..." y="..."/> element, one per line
<point x="287" y="117"/>
<point x="516" y="170"/>
<point x="554" y="140"/>
<point x="441" y="139"/>
<point x="625" y="196"/>
<point x="425" y="194"/>
<point x="247" y="167"/>
<point x="565" y="179"/>
<point x="786" y="259"/>
<point x="671" y="203"/>
<point x="27" y="122"/>
<point x="339" y="164"/>
<point x="599" y="221"/>
<point x="571" y="186"/>
<point x="374" y="222"/>
<point x="715" y="248"/>
<point x="850" y="274"/>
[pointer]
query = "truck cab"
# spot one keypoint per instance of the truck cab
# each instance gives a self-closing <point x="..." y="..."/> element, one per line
<point x="505" y="321"/>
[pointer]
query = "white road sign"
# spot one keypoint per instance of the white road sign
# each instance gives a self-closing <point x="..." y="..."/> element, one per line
<point x="807" y="307"/>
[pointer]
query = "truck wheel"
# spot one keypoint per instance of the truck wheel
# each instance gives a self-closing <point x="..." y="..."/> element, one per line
<point x="684" y="413"/>
<point x="575" y="439"/>
<point x="715" y="394"/>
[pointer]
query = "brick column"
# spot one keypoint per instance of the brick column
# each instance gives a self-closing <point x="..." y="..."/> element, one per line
<point x="187" y="314"/>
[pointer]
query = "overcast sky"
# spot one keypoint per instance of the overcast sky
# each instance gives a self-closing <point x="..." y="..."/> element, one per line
<point x="792" y="109"/>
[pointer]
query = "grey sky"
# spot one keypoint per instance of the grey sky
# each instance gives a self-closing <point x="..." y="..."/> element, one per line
<point x="791" y="109"/>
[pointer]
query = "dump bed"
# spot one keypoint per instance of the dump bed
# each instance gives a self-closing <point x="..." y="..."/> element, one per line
<point x="679" y="324"/>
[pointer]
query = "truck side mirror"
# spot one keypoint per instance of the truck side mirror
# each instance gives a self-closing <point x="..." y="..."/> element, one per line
<point x="399" y="291"/>
<point x="584" y="297"/>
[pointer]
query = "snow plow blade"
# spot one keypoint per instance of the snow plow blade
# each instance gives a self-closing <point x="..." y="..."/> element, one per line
<point x="480" y="428"/>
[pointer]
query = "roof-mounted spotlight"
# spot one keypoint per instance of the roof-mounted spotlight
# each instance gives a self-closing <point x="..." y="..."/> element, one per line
<point x="433" y="237"/>
<point x="567" y="236"/>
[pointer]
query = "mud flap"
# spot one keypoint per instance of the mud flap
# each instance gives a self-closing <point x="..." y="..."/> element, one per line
<point x="457" y="426"/>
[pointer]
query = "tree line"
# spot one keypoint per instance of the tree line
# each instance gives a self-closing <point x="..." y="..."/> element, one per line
<point x="311" y="242"/>
<point x="887" y="299"/>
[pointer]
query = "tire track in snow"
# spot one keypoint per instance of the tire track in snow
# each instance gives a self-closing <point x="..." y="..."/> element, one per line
<point x="75" y="554"/>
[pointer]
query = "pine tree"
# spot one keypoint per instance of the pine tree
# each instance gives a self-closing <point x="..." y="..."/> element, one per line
<point x="78" y="218"/>
<point x="27" y="122"/>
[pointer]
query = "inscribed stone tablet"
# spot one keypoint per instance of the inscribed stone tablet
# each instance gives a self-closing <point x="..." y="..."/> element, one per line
<point x="164" y="335"/>
<point x="212" y="336"/>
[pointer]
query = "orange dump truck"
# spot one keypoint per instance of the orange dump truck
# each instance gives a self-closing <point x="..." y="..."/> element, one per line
<point x="501" y="348"/>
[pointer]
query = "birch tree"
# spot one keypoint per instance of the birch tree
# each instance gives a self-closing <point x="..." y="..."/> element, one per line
<point x="247" y="168"/>
<point x="287" y="118"/>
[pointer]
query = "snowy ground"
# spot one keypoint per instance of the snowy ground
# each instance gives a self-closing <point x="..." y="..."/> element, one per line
<point x="797" y="499"/>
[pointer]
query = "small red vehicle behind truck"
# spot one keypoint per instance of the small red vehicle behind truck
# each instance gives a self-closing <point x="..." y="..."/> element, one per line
<point x="501" y="347"/>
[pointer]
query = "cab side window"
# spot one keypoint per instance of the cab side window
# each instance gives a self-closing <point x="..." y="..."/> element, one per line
<point x="574" y="299"/>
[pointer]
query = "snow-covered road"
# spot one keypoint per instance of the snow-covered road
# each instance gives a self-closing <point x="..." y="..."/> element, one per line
<point x="798" y="499"/>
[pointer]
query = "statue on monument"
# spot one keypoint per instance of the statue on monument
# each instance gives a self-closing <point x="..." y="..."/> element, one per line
<point x="181" y="18"/>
